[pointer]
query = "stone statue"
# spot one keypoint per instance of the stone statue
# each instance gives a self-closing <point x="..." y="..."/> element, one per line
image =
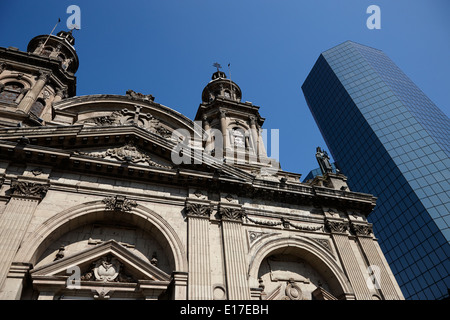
<point x="324" y="161"/>
<point x="139" y="95"/>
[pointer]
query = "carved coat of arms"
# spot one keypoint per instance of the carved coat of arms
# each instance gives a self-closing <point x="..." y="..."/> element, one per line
<point x="107" y="269"/>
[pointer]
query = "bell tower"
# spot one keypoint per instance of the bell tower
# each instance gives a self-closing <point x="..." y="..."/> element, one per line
<point x="239" y="123"/>
<point x="31" y="81"/>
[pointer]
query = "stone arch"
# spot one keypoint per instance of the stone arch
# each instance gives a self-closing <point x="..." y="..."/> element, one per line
<point x="52" y="229"/>
<point x="308" y="250"/>
<point x="24" y="80"/>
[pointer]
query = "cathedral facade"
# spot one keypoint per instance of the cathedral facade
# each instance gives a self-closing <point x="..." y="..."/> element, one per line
<point x="120" y="197"/>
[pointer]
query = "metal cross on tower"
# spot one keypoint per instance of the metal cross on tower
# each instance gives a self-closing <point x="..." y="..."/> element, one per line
<point x="217" y="65"/>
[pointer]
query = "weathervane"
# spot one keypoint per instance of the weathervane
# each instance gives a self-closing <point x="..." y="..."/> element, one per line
<point x="217" y="65"/>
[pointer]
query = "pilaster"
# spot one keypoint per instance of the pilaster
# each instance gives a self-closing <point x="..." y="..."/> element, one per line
<point x="234" y="252"/>
<point x="198" y="213"/>
<point x="381" y="276"/>
<point x="179" y="283"/>
<point x="339" y="233"/>
<point x="25" y="196"/>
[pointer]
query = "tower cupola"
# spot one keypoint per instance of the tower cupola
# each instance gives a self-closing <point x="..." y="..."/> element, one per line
<point x="59" y="47"/>
<point x="221" y="86"/>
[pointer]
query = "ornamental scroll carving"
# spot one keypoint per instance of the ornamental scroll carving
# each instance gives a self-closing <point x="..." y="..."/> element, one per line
<point x="337" y="226"/>
<point x="362" y="229"/>
<point x="29" y="189"/>
<point x="198" y="209"/>
<point x="119" y="203"/>
<point x="231" y="214"/>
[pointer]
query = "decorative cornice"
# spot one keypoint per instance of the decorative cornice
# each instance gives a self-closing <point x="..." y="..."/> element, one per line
<point x="119" y="203"/>
<point x="29" y="189"/>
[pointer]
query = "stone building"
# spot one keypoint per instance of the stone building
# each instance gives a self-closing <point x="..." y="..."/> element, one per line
<point x="120" y="197"/>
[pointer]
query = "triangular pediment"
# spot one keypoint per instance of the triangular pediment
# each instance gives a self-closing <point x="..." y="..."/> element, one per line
<point x="99" y="148"/>
<point x="106" y="262"/>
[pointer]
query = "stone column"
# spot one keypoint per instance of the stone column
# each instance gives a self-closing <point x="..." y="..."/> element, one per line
<point x="339" y="233"/>
<point x="382" y="277"/>
<point x="200" y="287"/>
<point x="15" y="219"/>
<point x="234" y="253"/>
<point x="59" y="95"/>
<point x="32" y="94"/>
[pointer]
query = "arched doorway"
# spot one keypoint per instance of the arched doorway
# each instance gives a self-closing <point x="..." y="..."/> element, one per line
<point x="117" y="254"/>
<point x="297" y="269"/>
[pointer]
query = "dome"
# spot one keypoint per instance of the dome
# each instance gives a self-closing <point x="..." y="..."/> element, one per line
<point x="220" y="86"/>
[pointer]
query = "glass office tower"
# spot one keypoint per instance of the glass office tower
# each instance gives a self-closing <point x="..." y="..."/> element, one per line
<point x="392" y="141"/>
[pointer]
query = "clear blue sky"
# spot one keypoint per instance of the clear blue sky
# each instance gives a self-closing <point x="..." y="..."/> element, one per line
<point x="167" y="48"/>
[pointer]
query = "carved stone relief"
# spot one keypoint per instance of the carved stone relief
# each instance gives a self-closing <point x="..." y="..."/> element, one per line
<point x="362" y="229"/>
<point x="231" y="214"/>
<point x="130" y="117"/>
<point x="337" y="226"/>
<point x="119" y="203"/>
<point x="138" y="95"/>
<point x="285" y="223"/>
<point x="254" y="236"/>
<point x="198" y="209"/>
<point x="129" y="153"/>
<point x="107" y="269"/>
<point x="30" y="189"/>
